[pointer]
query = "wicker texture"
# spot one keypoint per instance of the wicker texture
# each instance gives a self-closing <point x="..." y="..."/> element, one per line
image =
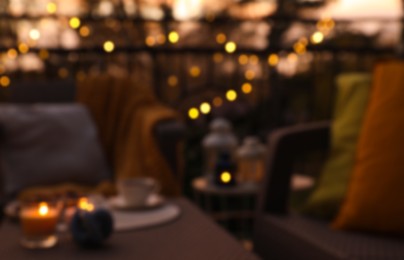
<point x="311" y="239"/>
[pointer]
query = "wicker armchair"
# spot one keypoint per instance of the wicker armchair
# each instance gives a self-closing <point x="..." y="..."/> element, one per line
<point x="281" y="234"/>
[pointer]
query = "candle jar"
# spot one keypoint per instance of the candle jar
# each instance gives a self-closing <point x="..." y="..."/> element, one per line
<point x="38" y="223"/>
<point x="251" y="160"/>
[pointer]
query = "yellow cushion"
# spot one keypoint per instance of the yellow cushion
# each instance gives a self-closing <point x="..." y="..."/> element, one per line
<point x="374" y="201"/>
<point x="352" y="99"/>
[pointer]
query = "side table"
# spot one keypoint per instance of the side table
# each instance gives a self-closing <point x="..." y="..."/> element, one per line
<point x="236" y="205"/>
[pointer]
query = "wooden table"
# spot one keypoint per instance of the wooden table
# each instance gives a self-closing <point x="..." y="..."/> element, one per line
<point x="191" y="236"/>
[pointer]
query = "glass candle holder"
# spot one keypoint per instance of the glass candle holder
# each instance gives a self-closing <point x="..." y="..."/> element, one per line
<point x="38" y="223"/>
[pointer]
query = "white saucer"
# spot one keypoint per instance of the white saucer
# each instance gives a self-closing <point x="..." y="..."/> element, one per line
<point x="153" y="201"/>
<point x="138" y="219"/>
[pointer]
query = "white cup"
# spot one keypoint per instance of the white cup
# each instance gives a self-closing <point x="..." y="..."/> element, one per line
<point x="135" y="191"/>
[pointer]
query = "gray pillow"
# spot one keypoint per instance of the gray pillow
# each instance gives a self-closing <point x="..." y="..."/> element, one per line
<point x="49" y="144"/>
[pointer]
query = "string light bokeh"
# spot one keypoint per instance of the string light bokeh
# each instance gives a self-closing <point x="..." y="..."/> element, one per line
<point x="66" y="37"/>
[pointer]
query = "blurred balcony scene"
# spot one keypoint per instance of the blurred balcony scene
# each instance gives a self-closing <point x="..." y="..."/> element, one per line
<point x="206" y="97"/>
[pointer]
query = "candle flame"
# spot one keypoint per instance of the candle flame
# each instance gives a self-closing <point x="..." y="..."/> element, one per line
<point x="84" y="204"/>
<point x="43" y="209"/>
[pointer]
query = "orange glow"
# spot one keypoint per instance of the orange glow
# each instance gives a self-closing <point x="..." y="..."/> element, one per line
<point x="84" y="204"/>
<point x="63" y="73"/>
<point x="4" y="81"/>
<point x="150" y="41"/>
<point x="221" y="38"/>
<point x="243" y="59"/>
<point x="254" y="59"/>
<point x="23" y="48"/>
<point x="84" y="31"/>
<point x="195" y="71"/>
<point x="12" y="53"/>
<point x="43" y="209"/>
<point x="246" y="88"/>
<point x="249" y="74"/>
<point x="217" y="101"/>
<point x="218" y="57"/>
<point x="43" y="54"/>
<point x="273" y="59"/>
<point x="172" y="81"/>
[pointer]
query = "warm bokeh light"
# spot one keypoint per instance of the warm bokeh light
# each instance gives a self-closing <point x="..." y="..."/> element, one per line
<point x="150" y="41"/>
<point x="243" y="59"/>
<point x="304" y="41"/>
<point x="173" y="37"/>
<point x="4" y="81"/>
<point x="217" y="101"/>
<point x="195" y="71"/>
<point x="51" y="8"/>
<point x="172" y="81"/>
<point x="231" y="95"/>
<point x="80" y="75"/>
<point x="85" y="204"/>
<point x="249" y="74"/>
<point x="193" y="113"/>
<point x="205" y="108"/>
<point x="43" y="54"/>
<point x="292" y="57"/>
<point x="317" y="38"/>
<point x="186" y="9"/>
<point x="246" y="88"/>
<point x="84" y="31"/>
<point x="218" y="57"/>
<point x="357" y="9"/>
<point x="23" y="48"/>
<point x="299" y="48"/>
<point x="161" y="39"/>
<point x="230" y="47"/>
<point x="254" y="59"/>
<point x="273" y="59"/>
<point x="12" y="53"/>
<point x="109" y="46"/>
<point x="74" y="22"/>
<point x="63" y="73"/>
<point x="34" y="34"/>
<point x="43" y="209"/>
<point x="325" y="25"/>
<point x="221" y="38"/>
<point x="225" y="177"/>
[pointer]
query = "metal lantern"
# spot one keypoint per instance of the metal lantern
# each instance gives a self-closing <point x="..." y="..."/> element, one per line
<point x="251" y="160"/>
<point x="220" y="140"/>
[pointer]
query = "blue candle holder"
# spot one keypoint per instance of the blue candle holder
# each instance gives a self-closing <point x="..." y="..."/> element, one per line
<point x="91" y="228"/>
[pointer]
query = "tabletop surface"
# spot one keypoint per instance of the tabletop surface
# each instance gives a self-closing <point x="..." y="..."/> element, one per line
<point x="203" y="184"/>
<point x="192" y="236"/>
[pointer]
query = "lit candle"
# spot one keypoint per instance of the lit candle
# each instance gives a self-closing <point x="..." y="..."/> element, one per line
<point x="39" y="221"/>
<point x="224" y="171"/>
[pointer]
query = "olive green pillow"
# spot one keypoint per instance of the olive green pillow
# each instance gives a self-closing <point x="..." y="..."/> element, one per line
<point x="351" y="102"/>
